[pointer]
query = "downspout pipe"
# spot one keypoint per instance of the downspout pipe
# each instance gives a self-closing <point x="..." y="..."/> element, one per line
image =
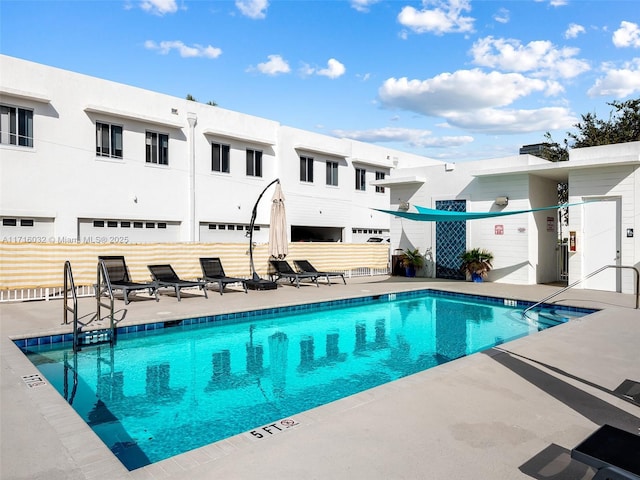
<point x="192" y="119"/>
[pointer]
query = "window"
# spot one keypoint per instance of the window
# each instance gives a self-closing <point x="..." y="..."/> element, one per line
<point x="220" y="158"/>
<point x="125" y="224"/>
<point x="108" y="140"/>
<point x="112" y="223"/>
<point x="254" y="163"/>
<point x="379" y="176"/>
<point x="157" y="148"/>
<point x="98" y="223"/>
<point x="9" y="222"/>
<point x="360" y="179"/>
<point x="306" y="169"/>
<point x="332" y="173"/>
<point x="26" y="222"/>
<point x="16" y="126"/>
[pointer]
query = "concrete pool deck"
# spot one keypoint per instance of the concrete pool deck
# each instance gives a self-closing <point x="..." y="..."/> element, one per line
<point x="514" y="411"/>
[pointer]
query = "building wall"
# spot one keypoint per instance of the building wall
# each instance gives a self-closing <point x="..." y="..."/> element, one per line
<point x="623" y="182"/>
<point x="64" y="186"/>
<point x="511" y="239"/>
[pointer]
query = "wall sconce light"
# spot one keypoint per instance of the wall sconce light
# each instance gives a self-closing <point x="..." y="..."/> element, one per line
<point x="403" y="206"/>
<point x="502" y="201"/>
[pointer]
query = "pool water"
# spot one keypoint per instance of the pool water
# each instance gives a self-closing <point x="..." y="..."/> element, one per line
<point x="160" y="393"/>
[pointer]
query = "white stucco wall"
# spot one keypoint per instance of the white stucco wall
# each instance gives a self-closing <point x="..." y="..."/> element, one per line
<point x="62" y="180"/>
<point x="608" y="182"/>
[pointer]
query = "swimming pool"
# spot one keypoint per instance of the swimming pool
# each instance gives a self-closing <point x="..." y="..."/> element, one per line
<point x="167" y="388"/>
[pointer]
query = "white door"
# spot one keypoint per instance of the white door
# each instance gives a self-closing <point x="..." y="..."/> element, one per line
<point x="601" y="237"/>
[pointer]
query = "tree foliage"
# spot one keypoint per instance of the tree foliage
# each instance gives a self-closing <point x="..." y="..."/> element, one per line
<point x="623" y="125"/>
<point x="191" y="98"/>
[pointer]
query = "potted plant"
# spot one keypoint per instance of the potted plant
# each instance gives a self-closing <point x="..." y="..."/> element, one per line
<point x="476" y="263"/>
<point x="411" y="261"/>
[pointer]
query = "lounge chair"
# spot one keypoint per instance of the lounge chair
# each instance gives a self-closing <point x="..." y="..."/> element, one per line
<point x="212" y="272"/>
<point x="116" y="273"/>
<point x="284" y="270"/>
<point x="166" y="276"/>
<point x="612" y="452"/>
<point x="304" y="266"/>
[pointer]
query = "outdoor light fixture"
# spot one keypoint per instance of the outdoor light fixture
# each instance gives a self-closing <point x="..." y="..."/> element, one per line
<point x="403" y="206"/>
<point x="502" y="201"/>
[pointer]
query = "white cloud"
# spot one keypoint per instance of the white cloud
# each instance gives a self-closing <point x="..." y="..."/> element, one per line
<point x="256" y="9"/>
<point x="511" y="121"/>
<point x="553" y="3"/>
<point x="362" y="5"/>
<point x="618" y="83"/>
<point x="540" y="57"/>
<point x="502" y="16"/>
<point x="472" y="99"/>
<point x="628" y="35"/>
<point x="334" y="69"/>
<point x="413" y="137"/>
<point x="159" y="7"/>
<point x="274" y="66"/>
<point x="461" y="90"/>
<point x="185" y="51"/>
<point x="574" y="30"/>
<point x="446" y="17"/>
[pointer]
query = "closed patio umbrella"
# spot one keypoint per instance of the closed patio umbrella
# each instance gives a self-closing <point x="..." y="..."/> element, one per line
<point x="278" y="241"/>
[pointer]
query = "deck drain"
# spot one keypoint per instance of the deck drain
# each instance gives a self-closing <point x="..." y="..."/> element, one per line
<point x="33" y="380"/>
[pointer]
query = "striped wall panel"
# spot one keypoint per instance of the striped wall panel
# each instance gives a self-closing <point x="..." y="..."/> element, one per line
<point x="36" y="265"/>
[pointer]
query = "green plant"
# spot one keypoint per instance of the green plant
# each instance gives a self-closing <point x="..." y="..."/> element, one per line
<point x="412" y="258"/>
<point x="476" y="261"/>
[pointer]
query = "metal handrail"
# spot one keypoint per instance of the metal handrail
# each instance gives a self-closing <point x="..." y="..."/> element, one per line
<point x="524" y="313"/>
<point x="103" y="285"/>
<point x="68" y="282"/>
<point x="70" y="285"/>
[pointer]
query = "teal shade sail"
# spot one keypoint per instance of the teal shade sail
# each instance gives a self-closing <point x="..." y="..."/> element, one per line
<point x="432" y="215"/>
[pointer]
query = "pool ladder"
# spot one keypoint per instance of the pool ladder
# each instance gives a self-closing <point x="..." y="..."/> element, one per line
<point x="86" y="337"/>
<point x="637" y="287"/>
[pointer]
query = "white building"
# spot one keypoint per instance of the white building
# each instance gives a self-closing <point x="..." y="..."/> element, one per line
<point x="526" y="250"/>
<point x="89" y="160"/>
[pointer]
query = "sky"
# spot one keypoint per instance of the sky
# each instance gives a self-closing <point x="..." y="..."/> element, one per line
<point x="454" y="80"/>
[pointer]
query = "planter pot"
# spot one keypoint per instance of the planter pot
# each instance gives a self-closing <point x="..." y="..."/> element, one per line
<point x="409" y="271"/>
<point x="476" y="277"/>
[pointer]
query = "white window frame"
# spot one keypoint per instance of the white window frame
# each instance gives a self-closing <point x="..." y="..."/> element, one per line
<point x="111" y="149"/>
<point x="306" y="169"/>
<point x="332" y="173"/>
<point x="380" y="176"/>
<point x="16" y="126"/>
<point x="222" y="157"/>
<point x="361" y="179"/>
<point x="155" y="152"/>
<point x="254" y="162"/>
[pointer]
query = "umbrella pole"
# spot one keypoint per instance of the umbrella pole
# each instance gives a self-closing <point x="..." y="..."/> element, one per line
<point x="256" y="280"/>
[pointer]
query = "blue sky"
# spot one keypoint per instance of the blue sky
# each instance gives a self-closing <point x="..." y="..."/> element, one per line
<point x="454" y="80"/>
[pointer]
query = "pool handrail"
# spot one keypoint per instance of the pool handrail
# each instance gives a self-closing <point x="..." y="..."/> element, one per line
<point x="637" y="287"/>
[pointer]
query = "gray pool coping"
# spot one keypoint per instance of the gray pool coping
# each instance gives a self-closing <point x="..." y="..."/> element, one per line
<point x="514" y="411"/>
